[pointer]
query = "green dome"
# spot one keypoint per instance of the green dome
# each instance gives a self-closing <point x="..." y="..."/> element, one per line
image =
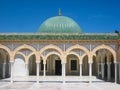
<point x="59" y="24"/>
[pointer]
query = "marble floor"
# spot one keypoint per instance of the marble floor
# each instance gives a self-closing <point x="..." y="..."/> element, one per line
<point x="54" y="78"/>
<point x="58" y="86"/>
<point x="29" y="83"/>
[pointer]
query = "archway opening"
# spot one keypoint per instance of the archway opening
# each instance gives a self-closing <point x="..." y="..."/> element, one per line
<point x="105" y="63"/>
<point x="85" y="70"/>
<point x="53" y="65"/>
<point x="105" y="68"/>
<point x="94" y="66"/>
<point x="4" y="64"/>
<point x="112" y="70"/>
<point x="19" y="66"/>
<point x="32" y="65"/>
<point x="72" y="65"/>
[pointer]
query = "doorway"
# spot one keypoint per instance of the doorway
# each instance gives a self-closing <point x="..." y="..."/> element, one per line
<point x="58" y="67"/>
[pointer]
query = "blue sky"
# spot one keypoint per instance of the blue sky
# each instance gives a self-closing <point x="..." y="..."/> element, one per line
<point x="93" y="16"/>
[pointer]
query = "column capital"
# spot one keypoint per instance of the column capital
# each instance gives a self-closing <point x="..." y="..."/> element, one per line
<point x="108" y="63"/>
<point x="64" y="59"/>
<point x="44" y="61"/>
<point x="11" y="56"/>
<point x="63" y="63"/>
<point x="90" y="62"/>
<point x="116" y="61"/>
<point x="11" y="61"/>
<point x="37" y="62"/>
<point x="80" y="63"/>
<point x="26" y="63"/>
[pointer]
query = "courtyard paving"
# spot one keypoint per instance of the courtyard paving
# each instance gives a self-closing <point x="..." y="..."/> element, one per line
<point x="58" y="86"/>
<point x="54" y="83"/>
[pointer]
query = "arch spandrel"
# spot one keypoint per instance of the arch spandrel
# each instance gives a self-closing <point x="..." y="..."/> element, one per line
<point x="81" y="48"/>
<point x="20" y="53"/>
<point x="23" y="47"/>
<point x="118" y="55"/>
<point x="82" y="57"/>
<point x="51" y="46"/>
<point x="77" y="47"/>
<point x="73" y="54"/>
<point x="5" y="48"/>
<point x="10" y="53"/>
<point x="52" y="53"/>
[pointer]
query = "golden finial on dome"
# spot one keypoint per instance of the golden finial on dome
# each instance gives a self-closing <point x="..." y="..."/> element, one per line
<point x="59" y="12"/>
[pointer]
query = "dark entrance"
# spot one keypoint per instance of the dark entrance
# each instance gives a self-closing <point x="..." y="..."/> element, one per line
<point x="58" y="67"/>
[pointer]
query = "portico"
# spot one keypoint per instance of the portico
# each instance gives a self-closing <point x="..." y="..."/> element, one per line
<point x="61" y="50"/>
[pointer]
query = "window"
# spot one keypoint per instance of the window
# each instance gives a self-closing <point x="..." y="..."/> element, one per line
<point x="73" y="64"/>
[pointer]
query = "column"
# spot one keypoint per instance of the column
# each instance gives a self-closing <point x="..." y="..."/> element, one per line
<point x="9" y="69"/>
<point x="116" y="72"/>
<point x="119" y="71"/>
<point x="102" y="70"/>
<point x="3" y="74"/>
<point x="108" y="71"/>
<point x="44" y="67"/>
<point x="37" y="65"/>
<point x="27" y="69"/>
<point x="80" y="70"/>
<point x="90" y="72"/>
<point x="98" y="69"/>
<point x="63" y="72"/>
<point x="12" y="67"/>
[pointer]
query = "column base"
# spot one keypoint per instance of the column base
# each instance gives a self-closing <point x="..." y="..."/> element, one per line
<point x="11" y="82"/>
<point x="37" y="82"/>
<point x="90" y="81"/>
<point x="63" y="80"/>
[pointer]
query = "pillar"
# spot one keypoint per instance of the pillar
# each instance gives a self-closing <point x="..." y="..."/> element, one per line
<point x="44" y="71"/>
<point x="37" y="66"/>
<point x="27" y="69"/>
<point x="63" y="72"/>
<point x="116" y="72"/>
<point x="90" y="72"/>
<point x="119" y="71"/>
<point x="80" y="70"/>
<point x="108" y="71"/>
<point x="102" y="70"/>
<point x="12" y="69"/>
<point x="9" y="69"/>
<point x="98" y="69"/>
<point x="4" y="67"/>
